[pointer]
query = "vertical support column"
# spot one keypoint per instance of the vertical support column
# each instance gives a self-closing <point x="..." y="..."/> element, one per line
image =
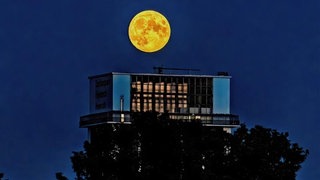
<point x="121" y="108"/>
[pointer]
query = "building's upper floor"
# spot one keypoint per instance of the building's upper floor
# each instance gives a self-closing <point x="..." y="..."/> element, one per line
<point x="204" y="97"/>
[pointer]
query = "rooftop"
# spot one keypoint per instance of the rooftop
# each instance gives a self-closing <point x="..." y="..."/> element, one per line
<point x="220" y="74"/>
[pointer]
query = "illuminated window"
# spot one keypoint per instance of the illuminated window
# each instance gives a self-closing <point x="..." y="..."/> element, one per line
<point x="180" y="87"/>
<point x="171" y="88"/>
<point x="136" y="86"/>
<point x="162" y="88"/>
<point x="138" y="108"/>
<point x="150" y="87"/>
<point x="173" y="93"/>
<point x="185" y="88"/>
<point x="158" y="95"/>
<point x="157" y="87"/>
<point x="168" y="88"/>
<point x="134" y="106"/>
<point x="145" y="87"/>
<point x="182" y="96"/>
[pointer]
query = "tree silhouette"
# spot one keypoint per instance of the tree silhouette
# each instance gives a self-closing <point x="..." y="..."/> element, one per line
<point x="60" y="176"/>
<point x="155" y="147"/>
<point x="1" y="176"/>
<point x="263" y="153"/>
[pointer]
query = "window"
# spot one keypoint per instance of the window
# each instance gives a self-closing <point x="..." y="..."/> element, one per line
<point x="101" y="94"/>
<point x="100" y="83"/>
<point x="100" y="105"/>
<point x="136" y="86"/>
<point x="173" y="93"/>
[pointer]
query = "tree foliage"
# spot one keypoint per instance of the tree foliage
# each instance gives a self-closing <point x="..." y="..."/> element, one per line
<point x="60" y="176"/>
<point x="155" y="147"/>
<point x="2" y="176"/>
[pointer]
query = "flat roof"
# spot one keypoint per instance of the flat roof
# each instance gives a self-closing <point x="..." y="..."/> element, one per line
<point x="156" y="74"/>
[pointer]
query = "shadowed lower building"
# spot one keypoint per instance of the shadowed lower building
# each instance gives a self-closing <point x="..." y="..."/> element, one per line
<point x="115" y="95"/>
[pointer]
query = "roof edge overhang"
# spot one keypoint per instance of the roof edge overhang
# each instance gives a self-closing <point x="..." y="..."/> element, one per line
<point x="162" y="75"/>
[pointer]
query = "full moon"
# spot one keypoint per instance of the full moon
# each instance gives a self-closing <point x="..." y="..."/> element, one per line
<point x="149" y="31"/>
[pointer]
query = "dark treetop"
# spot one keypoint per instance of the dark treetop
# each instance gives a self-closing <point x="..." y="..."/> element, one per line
<point x="154" y="147"/>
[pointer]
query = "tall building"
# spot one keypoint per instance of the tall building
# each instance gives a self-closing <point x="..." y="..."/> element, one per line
<point x="115" y="95"/>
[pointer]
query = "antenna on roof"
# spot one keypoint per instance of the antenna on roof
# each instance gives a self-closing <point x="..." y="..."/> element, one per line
<point x="160" y="69"/>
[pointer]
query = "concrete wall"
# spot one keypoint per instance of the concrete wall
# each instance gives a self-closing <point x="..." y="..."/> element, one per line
<point x="121" y="87"/>
<point x="221" y="95"/>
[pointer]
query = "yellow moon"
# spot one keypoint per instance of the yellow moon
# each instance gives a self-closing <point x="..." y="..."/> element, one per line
<point x="149" y="31"/>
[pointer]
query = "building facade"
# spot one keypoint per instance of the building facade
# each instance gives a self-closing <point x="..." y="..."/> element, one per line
<point x="114" y="96"/>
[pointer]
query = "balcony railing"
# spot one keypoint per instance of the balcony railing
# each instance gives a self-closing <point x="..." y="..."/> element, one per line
<point x="228" y="120"/>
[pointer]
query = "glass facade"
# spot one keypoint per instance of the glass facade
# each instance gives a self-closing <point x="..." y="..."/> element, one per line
<point x="173" y="94"/>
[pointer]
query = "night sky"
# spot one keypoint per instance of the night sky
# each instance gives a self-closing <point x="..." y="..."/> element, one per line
<point x="49" y="48"/>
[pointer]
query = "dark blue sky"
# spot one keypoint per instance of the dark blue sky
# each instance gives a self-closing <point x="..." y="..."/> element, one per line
<point x="48" y="48"/>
